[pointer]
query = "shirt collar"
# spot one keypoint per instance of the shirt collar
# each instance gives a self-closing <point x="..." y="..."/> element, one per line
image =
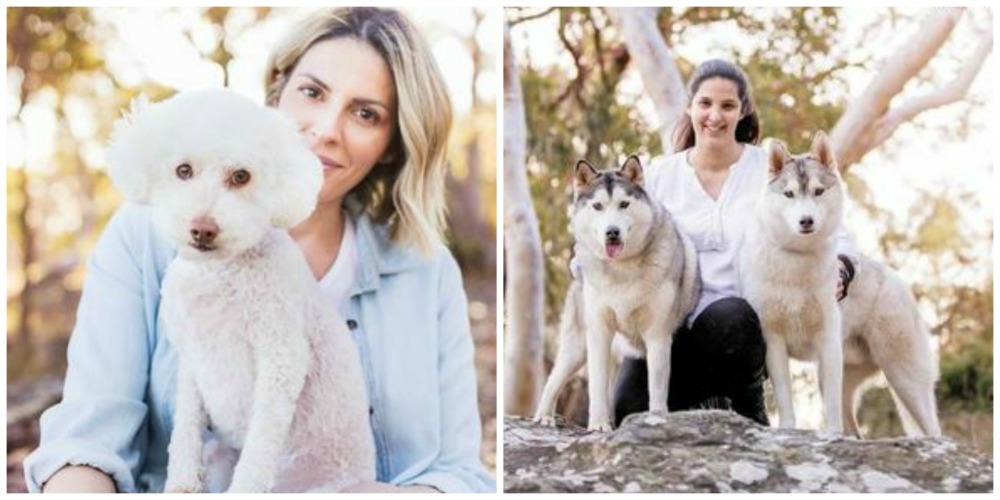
<point x="378" y="255"/>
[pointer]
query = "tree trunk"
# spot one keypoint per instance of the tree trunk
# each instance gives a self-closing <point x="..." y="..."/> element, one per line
<point x="660" y="75"/>
<point x="868" y="120"/>
<point x="524" y="296"/>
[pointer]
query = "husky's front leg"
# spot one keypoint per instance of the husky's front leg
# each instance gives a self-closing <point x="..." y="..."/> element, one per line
<point x="777" y="368"/>
<point x="569" y="358"/>
<point x="658" y="346"/>
<point x="599" y="336"/>
<point x="281" y="374"/>
<point x="185" y="472"/>
<point x="831" y="372"/>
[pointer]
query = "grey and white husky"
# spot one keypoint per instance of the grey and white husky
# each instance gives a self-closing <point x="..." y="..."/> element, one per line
<point x="788" y="271"/>
<point x="639" y="279"/>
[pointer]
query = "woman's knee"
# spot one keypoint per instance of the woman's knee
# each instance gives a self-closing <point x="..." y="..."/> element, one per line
<point x="730" y="321"/>
<point x="728" y="334"/>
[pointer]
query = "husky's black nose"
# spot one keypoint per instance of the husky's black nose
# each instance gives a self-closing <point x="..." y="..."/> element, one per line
<point x="612" y="234"/>
<point x="806" y="224"/>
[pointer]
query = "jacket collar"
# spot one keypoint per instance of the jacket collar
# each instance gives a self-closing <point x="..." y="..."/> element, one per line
<point x="377" y="255"/>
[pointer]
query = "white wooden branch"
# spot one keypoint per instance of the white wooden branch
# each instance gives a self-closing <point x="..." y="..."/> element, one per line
<point x="848" y="134"/>
<point x="952" y="92"/>
<point x="657" y="65"/>
<point x="524" y="298"/>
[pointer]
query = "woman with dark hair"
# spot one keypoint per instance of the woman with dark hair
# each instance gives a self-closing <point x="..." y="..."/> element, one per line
<point x="711" y="186"/>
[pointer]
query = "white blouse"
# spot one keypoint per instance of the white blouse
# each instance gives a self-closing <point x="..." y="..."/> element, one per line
<point x="337" y="281"/>
<point x="716" y="226"/>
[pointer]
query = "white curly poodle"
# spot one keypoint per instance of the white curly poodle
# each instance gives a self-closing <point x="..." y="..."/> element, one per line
<point x="261" y="358"/>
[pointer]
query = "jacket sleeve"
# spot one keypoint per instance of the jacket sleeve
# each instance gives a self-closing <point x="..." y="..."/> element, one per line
<point x="457" y="467"/>
<point x="101" y="420"/>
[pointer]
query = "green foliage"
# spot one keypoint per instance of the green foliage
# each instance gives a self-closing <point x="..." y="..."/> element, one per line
<point x="967" y="358"/>
<point x="967" y="376"/>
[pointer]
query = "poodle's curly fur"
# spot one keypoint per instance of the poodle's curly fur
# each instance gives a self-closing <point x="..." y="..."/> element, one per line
<point x="262" y="358"/>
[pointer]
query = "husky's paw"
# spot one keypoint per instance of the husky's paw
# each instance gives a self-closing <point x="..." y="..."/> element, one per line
<point x="599" y="427"/>
<point x="545" y="420"/>
<point x="827" y="431"/>
<point x="786" y="424"/>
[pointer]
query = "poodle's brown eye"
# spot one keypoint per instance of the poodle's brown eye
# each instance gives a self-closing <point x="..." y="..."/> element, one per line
<point x="239" y="178"/>
<point x="184" y="171"/>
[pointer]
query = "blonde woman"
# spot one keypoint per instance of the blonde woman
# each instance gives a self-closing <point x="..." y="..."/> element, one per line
<point x="366" y="93"/>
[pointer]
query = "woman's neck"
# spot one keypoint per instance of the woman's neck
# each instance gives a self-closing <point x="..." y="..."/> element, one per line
<point x="319" y="237"/>
<point x="715" y="158"/>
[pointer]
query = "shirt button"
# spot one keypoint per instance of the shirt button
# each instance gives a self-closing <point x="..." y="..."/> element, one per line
<point x="352" y="324"/>
<point x="371" y="410"/>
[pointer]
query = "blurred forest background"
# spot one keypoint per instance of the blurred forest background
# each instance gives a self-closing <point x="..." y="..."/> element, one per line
<point x="70" y="72"/>
<point x="921" y="201"/>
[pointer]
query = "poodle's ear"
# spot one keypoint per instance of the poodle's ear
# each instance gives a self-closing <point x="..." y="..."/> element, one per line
<point x="127" y="155"/>
<point x="300" y="180"/>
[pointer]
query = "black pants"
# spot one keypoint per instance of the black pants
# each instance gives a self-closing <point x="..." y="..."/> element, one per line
<point x="717" y="363"/>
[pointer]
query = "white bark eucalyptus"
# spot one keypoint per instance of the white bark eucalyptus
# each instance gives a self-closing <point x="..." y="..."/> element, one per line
<point x="869" y="120"/>
<point x="657" y="65"/>
<point x="523" y="291"/>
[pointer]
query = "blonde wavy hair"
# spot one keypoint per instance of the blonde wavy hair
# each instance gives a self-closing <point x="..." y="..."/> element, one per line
<point x="407" y="194"/>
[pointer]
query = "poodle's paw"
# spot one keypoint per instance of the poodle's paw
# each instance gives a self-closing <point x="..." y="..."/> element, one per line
<point x="181" y="491"/>
<point x="178" y="484"/>
<point x="243" y="483"/>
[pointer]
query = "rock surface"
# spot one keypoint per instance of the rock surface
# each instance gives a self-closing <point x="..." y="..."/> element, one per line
<point x="719" y="451"/>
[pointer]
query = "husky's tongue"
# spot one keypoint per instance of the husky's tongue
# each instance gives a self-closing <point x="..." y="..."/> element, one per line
<point x="613" y="248"/>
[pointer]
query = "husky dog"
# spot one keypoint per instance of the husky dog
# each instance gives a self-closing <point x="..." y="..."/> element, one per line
<point x="788" y="268"/>
<point x="639" y="279"/>
<point x="883" y="331"/>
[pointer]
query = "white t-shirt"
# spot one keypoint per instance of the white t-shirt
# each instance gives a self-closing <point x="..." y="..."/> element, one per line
<point x="337" y="281"/>
<point x="716" y="227"/>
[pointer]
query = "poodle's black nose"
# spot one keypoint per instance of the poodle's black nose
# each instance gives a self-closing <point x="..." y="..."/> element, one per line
<point x="203" y="231"/>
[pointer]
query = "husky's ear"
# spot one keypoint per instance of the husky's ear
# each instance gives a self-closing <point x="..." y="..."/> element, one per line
<point x="584" y="174"/>
<point x="777" y="155"/>
<point x="632" y="169"/>
<point x="822" y="150"/>
<point x="127" y="156"/>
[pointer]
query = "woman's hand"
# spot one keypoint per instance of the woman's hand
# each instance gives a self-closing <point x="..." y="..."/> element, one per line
<point x="376" y="487"/>
<point x="79" y="479"/>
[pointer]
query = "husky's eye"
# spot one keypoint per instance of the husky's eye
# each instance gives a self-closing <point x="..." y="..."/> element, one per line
<point x="623" y="205"/>
<point x="819" y="192"/>
<point x="598" y="206"/>
<point x="184" y="171"/>
<point x="239" y="178"/>
<point x="789" y="194"/>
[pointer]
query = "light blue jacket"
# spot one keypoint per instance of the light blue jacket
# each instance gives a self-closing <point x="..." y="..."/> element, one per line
<point x="408" y="318"/>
